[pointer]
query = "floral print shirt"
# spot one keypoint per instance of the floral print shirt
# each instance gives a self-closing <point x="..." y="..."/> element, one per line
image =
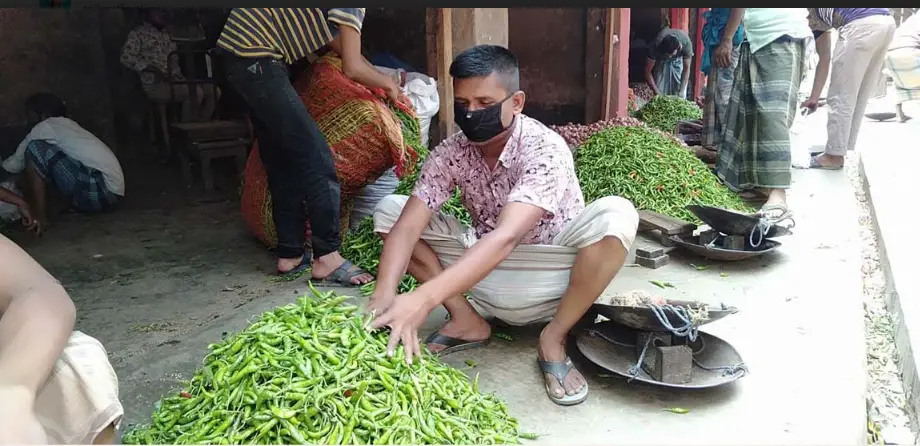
<point x="149" y="47"/>
<point x="536" y="167"/>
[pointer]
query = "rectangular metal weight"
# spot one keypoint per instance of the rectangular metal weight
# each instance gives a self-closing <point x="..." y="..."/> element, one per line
<point x="654" y="263"/>
<point x="673" y="364"/>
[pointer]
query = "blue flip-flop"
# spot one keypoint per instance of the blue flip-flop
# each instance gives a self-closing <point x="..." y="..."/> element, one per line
<point x="342" y="276"/>
<point x="559" y="370"/>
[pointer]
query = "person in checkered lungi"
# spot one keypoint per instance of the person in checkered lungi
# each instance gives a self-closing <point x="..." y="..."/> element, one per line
<point x="58" y="151"/>
<point x="903" y="62"/>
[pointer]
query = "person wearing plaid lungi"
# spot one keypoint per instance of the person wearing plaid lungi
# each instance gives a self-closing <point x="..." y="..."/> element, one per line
<point x="903" y="63"/>
<point x="84" y="187"/>
<point x="719" y="83"/>
<point x="59" y="152"/>
<point x="755" y="151"/>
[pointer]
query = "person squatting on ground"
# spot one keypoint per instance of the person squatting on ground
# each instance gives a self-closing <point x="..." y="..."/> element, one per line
<point x="864" y="35"/>
<point x="720" y="58"/>
<point x="517" y="179"/>
<point x="57" y="151"/>
<point x="667" y="70"/>
<point x="147" y="51"/>
<point x="755" y="151"/>
<point x="260" y="44"/>
<point x="56" y="384"/>
<point x="903" y="62"/>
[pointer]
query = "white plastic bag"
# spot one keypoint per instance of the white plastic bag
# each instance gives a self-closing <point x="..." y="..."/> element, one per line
<point x="422" y="91"/>
<point x="370" y="195"/>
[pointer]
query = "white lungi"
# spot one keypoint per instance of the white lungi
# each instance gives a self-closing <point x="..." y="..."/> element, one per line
<point x="80" y="398"/>
<point x="527" y="286"/>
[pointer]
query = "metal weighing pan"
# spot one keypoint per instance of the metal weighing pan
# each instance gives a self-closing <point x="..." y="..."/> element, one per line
<point x="692" y="244"/>
<point x="733" y="223"/>
<point x="642" y="318"/>
<point x="619" y="356"/>
<point x="883" y="116"/>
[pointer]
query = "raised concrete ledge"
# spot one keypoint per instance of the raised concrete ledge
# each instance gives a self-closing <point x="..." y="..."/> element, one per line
<point x="883" y="174"/>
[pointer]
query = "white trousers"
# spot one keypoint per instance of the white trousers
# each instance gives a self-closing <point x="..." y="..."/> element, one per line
<point x="856" y="65"/>
<point x="527" y="286"/>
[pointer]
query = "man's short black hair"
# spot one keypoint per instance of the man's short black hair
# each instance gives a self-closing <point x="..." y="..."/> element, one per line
<point x="668" y="45"/>
<point x="485" y="60"/>
<point x="46" y="105"/>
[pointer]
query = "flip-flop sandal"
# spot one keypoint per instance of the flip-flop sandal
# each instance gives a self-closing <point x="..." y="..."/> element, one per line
<point x="301" y="267"/>
<point x="452" y="345"/>
<point x="560" y="370"/>
<point x="342" y="275"/>
<point x="815" y="164"/>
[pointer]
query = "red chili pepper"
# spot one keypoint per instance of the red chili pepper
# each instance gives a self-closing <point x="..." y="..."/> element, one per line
<point x="348" y="393"/>
<point x="185" y="394"/>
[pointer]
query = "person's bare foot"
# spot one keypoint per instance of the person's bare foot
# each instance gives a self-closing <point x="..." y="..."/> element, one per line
<point x="551" y="347"/>
<point x="324" y="266"/>
<point x="287" y="265"/>
<point x="472" y="328"/>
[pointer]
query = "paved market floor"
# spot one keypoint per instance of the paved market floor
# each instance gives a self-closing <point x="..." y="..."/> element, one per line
<point x="157" y="285"/>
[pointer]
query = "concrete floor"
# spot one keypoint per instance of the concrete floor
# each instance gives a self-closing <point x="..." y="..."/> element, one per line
<point x="156" y="284"/>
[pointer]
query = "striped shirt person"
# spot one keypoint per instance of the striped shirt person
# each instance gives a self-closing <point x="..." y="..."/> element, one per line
<point x="288" y="34"/>
<point x="259" y="45"/>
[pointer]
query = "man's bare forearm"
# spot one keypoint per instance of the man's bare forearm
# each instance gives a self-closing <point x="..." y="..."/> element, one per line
<point x="12" y="198"/>
<point x="394" y="260"/>
<point x="735" y="16"/>
<point x="650" y="80"/>
<point x="473" y="266"/>
<point x="34" y="330"/>
<point x="399" y="244"/>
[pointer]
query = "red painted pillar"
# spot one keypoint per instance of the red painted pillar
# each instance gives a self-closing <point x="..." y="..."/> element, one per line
<point x="698" y="53"/>
<point x="680" y="19"/>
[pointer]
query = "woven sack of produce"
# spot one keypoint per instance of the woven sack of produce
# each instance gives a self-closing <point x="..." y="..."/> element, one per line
<point x="364" y="134"/>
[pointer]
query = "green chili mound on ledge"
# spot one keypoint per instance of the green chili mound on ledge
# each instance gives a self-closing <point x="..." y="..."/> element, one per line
<point x="664" y="112"/>
<point x="651" y="170"/>
<point x="309" y="373"/>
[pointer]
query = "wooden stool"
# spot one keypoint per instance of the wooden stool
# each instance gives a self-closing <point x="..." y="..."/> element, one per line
<point x="205" y="141"/>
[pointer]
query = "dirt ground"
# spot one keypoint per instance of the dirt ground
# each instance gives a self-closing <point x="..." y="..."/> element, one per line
<point x="166" y="262"/>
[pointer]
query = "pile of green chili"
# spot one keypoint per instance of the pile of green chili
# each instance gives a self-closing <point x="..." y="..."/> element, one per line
<point x="310" y="373"/>
<point x="651" y="170"/>
<point x="664" y="112"/>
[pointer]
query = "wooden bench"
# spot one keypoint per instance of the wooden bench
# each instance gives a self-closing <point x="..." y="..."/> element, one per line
<point x="202" y="142"/>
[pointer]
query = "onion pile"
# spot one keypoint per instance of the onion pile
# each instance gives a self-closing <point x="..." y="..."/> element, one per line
<point x="576" y="134"/>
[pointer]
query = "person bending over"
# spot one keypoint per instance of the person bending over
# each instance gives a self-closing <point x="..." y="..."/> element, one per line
<point x="517" y="179"/>
<point x="57" y="151"/>
<point x="260" y="44"/>
<point x="56" y="384"/>
<point x="667" y="70"/>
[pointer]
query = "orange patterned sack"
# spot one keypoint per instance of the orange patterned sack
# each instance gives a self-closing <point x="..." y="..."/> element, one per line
<point x="364" y="134"/>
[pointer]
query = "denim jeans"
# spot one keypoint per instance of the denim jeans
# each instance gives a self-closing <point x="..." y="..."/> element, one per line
<point x="297" y="158"/>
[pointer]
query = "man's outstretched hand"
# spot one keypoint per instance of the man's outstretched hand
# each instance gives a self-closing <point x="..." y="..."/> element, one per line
<point x="404" y="314"/>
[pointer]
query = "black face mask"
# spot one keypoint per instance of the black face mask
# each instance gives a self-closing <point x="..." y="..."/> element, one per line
<point x="480" y="125"/>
